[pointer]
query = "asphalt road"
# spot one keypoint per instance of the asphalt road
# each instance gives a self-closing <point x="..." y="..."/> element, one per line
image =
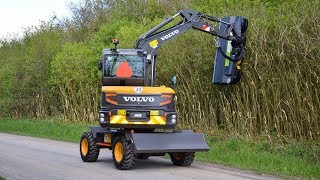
<point x="26" y="158"/>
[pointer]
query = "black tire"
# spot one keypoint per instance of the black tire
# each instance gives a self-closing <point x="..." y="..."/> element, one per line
<point x="182" y="158"/>
<point x="89" y="152"/>
<point x="142" y="156"/>
<point x="123" y="154"/>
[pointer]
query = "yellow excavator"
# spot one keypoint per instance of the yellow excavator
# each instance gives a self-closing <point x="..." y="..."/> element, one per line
<point x="137" y="119"/>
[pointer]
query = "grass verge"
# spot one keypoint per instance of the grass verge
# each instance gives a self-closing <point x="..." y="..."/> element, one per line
<point x="49" y="129"/>
<point x="295" y="159"/>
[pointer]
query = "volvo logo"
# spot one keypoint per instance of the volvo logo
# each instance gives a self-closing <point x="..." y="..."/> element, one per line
<point x="138" y="99"/>
<point x="173" y="33"/>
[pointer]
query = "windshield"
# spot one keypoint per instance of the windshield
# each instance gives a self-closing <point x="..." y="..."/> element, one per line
<point x="124" y="66"/>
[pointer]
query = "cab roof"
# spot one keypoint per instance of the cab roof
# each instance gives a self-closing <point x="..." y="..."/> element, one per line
<point x="122" y="51"/>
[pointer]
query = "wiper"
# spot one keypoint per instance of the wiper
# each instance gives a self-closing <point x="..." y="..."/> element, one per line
<point x="137" y="76"/>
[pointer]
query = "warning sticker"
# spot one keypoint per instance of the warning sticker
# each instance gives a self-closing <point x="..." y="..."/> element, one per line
<point x="154" y="43"/>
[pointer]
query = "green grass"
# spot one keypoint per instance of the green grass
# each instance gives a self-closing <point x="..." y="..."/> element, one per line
<point x="294" y="159"/>
<point x="49" y="129"/>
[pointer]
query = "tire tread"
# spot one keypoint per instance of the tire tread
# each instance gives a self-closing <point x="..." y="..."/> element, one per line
<point x="186" y="159"/>
<point x="128" y="160"/>
<point x="93" y="151"/>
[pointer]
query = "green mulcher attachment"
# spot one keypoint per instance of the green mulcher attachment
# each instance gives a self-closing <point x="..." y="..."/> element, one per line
<point x="229" y="55"/>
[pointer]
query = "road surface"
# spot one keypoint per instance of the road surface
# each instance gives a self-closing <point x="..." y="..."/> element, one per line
<point x="26" y="158"/>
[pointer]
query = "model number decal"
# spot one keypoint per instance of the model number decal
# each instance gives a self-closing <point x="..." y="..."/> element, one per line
<point x="173" y="33"/>
<point x="138" y="90"/>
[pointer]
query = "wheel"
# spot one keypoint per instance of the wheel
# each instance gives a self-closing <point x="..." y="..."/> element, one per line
<point x="89" y="150"/>
<point x="123" y="153"/>
<point x="142" y="156"/>
<point x="182" y="158"/>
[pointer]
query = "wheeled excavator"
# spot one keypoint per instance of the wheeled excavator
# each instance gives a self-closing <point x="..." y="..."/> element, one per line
<point x="138" y="119"/>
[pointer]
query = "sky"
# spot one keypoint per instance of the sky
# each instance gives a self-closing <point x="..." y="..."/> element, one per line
<point x="15" y="15"/>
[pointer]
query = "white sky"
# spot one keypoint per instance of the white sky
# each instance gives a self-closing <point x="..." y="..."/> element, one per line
<point x="18" y="14"/>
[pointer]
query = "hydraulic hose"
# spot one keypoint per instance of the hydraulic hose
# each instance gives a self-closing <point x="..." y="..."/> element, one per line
<point x="235" y="59"/>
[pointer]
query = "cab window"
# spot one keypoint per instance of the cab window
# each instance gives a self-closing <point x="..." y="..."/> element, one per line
<point x="124" y="66"/>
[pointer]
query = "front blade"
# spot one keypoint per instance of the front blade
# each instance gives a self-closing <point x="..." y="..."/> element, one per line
<point x="169" y="142"/>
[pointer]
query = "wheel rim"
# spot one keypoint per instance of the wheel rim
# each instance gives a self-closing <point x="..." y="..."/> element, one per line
<point x="118" y="151"/>
<point x="84" y="146"/>
<point x="177" y="156"/>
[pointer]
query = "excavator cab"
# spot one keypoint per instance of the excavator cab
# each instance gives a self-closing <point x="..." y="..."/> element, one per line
<point x="123" y="67"/>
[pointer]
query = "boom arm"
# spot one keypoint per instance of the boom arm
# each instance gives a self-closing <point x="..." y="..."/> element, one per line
<point x="152" y="40"/>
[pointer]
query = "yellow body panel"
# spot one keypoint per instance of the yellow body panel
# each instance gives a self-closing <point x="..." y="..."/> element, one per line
<point x="154" y="120"/>
<point x="137" y="90"/>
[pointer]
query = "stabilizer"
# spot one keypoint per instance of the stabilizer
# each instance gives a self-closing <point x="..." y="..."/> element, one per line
<point x="169" y="142"/>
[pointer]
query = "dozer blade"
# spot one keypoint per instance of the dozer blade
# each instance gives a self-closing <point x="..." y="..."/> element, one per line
<point x="169" y="142"/>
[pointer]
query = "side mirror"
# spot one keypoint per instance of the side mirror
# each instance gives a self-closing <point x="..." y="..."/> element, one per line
<point x="174" y="80"/>
<point x="100" y="65"/>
